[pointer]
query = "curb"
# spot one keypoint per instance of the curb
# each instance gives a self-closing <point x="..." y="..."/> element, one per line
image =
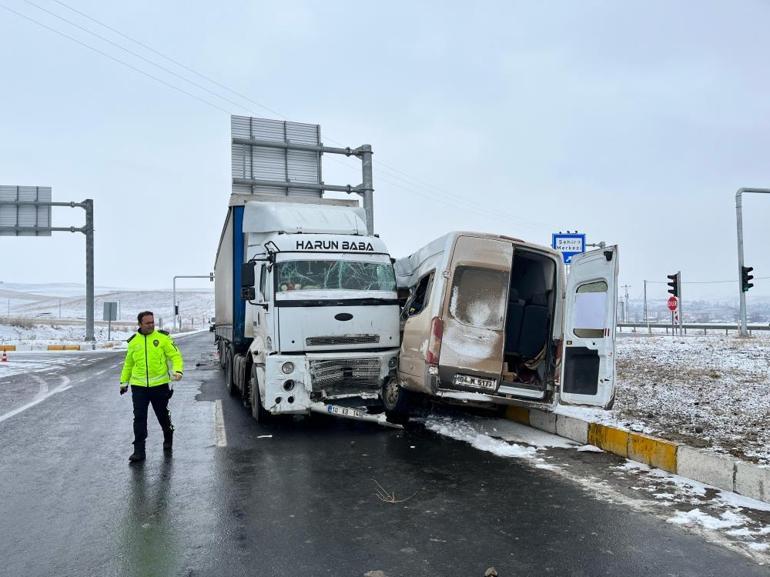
<point x="721" y="471"/>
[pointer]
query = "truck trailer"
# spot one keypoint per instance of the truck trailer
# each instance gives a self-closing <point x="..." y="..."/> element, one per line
<point x="307" y="313"/>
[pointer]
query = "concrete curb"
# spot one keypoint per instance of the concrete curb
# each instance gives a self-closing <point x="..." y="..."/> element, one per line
<point x="721" y="471"/>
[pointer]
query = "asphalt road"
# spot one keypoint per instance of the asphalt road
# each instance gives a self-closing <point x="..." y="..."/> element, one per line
<point x="293" y="498"/>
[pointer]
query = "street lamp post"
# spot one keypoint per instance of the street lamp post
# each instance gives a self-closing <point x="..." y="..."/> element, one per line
<point x="174" y="304"/>
<point x="744" y="331"/>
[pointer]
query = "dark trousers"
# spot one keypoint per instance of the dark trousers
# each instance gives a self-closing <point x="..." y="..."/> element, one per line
<point x="142" y="397"/>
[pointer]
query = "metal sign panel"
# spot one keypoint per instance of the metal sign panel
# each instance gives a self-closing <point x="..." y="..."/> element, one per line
<point x="275" y="164"/>
<point x="25" y="219"/>
<point x="568" y="244"/>
<point x="110" y="311"/>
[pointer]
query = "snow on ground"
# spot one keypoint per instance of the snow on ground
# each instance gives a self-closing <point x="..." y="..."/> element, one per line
<point x="707" y="391"/>
<point x="65" y="301"/>
<point x="723" y="517"/>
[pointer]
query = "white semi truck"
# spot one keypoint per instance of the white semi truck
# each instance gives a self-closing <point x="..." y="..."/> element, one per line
<point x="306" y="307"/>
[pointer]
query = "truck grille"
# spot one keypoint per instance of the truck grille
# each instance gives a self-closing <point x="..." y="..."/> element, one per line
<point x="342" y="340"/>
<point x="343" y="376"/>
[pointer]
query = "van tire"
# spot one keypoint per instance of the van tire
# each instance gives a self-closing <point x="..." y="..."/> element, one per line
<point x="397" y="402"/>
<point x="258" y="411"/>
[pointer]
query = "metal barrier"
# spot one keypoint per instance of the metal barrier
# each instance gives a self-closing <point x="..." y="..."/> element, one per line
<point x="705" y="327"/>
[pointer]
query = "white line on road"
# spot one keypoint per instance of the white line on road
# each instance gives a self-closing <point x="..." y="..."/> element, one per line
<point x="219" y="424"/>
<point x="41" y="396"/>
<point x="43" y="391"/>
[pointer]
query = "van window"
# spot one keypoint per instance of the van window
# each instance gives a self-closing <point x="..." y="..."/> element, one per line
<point x="420" y="297"/>
<point x="590" y="307"/>
<point x="478" y="297"/>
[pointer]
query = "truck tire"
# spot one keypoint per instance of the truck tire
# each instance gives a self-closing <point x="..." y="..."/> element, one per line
<point x="229" y="372"/>
<point x="221" y="351"/>
<point x="396" y="401"/>
<point x="258" y="411"/>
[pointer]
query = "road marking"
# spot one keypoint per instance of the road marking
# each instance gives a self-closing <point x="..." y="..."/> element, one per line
<point x="43" y="391"/>
<point x="41" y="396"/>
<point x="219" y="424"/>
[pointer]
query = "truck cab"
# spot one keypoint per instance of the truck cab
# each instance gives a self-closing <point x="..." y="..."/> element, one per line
<point x="320" y="309"/>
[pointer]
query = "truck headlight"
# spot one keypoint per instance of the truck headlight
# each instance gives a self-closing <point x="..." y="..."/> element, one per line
<point x="287" y="368"/>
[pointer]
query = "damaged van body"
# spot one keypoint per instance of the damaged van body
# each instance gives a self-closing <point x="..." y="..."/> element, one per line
<point x="489" y="319"/>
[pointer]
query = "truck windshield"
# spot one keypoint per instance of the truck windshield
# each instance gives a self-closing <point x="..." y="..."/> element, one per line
<point x="334" y="275"/>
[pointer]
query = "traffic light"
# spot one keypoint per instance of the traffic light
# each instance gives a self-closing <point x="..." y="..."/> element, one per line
<point x="674" y="284"/>
<point x="746" y="278"/>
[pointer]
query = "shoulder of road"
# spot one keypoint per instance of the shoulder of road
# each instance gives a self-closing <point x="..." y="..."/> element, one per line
<point x="722" y="471"/>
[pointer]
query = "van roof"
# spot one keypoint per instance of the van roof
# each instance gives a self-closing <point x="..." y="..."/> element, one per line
<point x="407" y="265"/>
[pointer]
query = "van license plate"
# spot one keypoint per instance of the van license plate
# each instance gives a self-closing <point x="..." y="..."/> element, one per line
<point x="475" y="382"/>
<point x="344" y="411"/>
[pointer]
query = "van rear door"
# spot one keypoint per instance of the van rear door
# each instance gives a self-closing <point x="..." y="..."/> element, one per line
<point x="474" y="314"/>
<point x="588" y="362"/>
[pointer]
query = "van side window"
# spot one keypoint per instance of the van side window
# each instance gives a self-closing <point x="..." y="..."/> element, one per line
<point x="420" y="297"/>
<point x="590" y="306"/>
<point x="479" y="296"/>
<point x="263" y="281"/>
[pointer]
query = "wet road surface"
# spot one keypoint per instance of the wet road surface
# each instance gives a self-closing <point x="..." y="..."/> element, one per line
<point x="305" y="497"/>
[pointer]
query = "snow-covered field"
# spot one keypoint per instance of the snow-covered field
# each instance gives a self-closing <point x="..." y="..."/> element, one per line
<point x="48" y="303"/>
<point x="707" y="391"/>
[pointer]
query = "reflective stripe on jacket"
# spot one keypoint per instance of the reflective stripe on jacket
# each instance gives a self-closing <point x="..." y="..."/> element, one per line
<point x="147" y="359"/>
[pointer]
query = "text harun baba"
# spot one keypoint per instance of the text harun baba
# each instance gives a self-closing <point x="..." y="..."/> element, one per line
<point x="344" y="245"/>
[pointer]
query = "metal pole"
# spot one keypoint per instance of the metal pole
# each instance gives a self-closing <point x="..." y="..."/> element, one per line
<point x="739" y="221"/>
<point x="645" y="304"/>
<point x="367" y="186"/>
<point x="681" y="310"/>
<point x="209" y="276"/>
<point x="88" y="205"/>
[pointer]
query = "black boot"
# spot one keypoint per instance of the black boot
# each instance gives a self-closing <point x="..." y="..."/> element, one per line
<point x="138" y="454"/>
<point x="168" y="441"/>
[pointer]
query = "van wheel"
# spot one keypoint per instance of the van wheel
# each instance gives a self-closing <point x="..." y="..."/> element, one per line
<point x="258" y="411"/>
<point x="396" y="402"/>
<point x="229" y="372"/>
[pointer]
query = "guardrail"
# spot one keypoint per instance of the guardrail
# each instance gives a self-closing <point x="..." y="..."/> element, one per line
<point x="705" y="327"/>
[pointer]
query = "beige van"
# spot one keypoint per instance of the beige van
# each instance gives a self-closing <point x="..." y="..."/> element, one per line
<point x="490" y="319"/>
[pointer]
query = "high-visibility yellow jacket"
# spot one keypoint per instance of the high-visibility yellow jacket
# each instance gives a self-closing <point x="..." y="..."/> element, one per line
<point x="147" y="359"/>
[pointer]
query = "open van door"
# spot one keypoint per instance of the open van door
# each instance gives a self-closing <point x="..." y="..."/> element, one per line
<point x="588" y="361"/>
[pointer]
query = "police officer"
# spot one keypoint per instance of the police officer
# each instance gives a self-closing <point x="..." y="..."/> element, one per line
<point x="146" y="369"/>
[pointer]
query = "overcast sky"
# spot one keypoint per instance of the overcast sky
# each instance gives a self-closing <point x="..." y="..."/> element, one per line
<point x="634" y="122"/>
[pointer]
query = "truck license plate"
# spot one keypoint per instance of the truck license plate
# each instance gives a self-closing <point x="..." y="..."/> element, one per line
<point x="345" y="411"/>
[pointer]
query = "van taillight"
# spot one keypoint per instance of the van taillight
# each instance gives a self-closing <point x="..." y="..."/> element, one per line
<point x="434" y="344"/>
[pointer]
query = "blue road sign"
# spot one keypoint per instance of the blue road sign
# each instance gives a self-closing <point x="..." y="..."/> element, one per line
<point x="568" y="244"/>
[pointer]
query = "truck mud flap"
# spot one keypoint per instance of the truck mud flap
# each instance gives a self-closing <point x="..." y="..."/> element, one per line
<point x="352" y="413"/>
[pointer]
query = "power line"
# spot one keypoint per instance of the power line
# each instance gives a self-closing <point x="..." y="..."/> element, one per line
<point x="170" y="59"/>
<point x="136" y="54"/>
<point x="707" y="281"/>
<point x="111" y="57"/>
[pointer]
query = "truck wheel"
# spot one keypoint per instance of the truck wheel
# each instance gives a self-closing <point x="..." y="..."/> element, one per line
<point x="258" y="411"/>
<point x="396" y="401"/>
<point x="229" y="372"/>
<point x="221" y="349"/>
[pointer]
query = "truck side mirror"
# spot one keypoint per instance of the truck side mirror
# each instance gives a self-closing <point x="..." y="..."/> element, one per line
<point x="247" y="274"/>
